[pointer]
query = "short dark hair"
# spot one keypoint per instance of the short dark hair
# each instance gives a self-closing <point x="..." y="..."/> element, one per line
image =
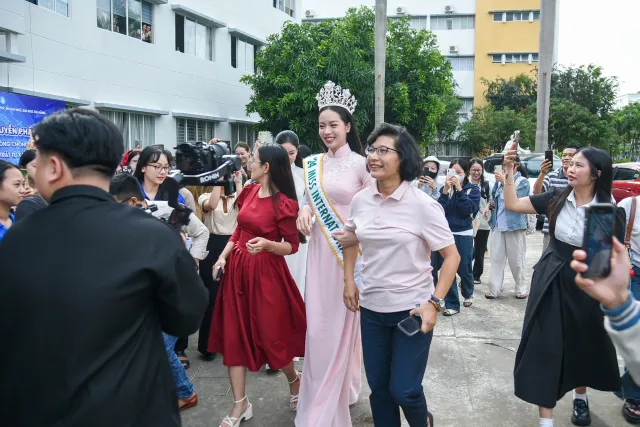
<point x="125" y="186"/>
<point x="4" y="167"/>
<point x="27" y="157"/>
<point x="573" y="146"/>
<point x="85" y="140"/>
<point x="408" y="151"/>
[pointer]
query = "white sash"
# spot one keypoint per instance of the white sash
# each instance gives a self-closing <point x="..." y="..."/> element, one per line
<point x="327" y="217"/>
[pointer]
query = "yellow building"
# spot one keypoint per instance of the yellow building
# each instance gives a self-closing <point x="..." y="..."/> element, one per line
<point x="507" y="41"/>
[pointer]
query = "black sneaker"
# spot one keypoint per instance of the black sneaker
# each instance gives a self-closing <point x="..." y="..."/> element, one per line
<point x="580" y="416"/>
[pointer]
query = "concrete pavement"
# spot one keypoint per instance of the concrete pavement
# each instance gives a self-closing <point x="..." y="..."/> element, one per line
<point x="469" y="378"/>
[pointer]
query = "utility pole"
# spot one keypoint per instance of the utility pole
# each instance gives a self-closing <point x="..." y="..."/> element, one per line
<point x="380" y="57"/>
<point x="545" y="68"/>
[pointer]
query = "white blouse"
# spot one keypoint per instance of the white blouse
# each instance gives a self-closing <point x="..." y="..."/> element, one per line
<point x="570" y="221"/>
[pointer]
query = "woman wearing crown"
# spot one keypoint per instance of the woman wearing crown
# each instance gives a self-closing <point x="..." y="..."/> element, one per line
<point x="332" y="363"/>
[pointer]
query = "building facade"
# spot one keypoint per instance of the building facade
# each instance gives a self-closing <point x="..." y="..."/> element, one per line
<point x="165" y="71"/>
<point x="629" y="98"/>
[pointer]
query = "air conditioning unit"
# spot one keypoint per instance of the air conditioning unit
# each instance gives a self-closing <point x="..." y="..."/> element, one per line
<point x="449" y="9"/>
<point x="309" y="13"/>
<point x="454" y="49"/>
<point x="401" y="10"/>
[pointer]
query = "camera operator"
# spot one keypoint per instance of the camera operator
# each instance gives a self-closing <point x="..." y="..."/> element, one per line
<point x="88" y="316"/>
<point x="623" y="314"/>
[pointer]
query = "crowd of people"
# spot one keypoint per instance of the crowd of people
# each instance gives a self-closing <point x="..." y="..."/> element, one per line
<point x="313" y="256"/>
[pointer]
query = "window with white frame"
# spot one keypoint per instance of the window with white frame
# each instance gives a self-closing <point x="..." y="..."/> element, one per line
<point x="243" y="55"/>
<point x="514" y="58"/>
<point x="242" y="133"/>
<point x="194" y="38"/>
<point x="190" y="130"/>
<point x="461" y="63"/>
<point x="453" y="22"/>
<point x="129" y="17"/>
<point x="467" y="107"/>
<point x="287" y="6"/>
<point x="517" y="15"/>
<point x="416" y="23"/>
<point x="137" y="129"/>
<point x="61" y="7"/>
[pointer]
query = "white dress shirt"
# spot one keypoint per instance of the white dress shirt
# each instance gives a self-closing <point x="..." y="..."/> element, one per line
<point x="570" y="221"/>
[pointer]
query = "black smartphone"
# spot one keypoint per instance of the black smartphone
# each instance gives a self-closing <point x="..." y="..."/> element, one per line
<point x="598" y="239"/>
<point x="217" y="274"/>
<point x="548" y="156"/>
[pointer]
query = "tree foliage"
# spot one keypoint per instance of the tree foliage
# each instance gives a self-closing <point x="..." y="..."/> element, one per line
<point x="516" y="93"/>
<point x="585" y="86"/>
<point x="489" y="129"/>
<point x="627" y="124"/>
<point x="570" y="123"/>
<point x="299" y="60"/>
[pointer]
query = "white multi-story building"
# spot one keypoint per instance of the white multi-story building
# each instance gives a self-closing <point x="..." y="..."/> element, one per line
<point x="165" y="71"/>
<point x="629" y="98"/>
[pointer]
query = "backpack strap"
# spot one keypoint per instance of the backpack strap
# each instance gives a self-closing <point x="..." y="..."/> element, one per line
<point x="627" y="237"/>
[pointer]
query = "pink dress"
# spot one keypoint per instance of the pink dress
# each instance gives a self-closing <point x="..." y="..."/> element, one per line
<point x="332" y="358"/>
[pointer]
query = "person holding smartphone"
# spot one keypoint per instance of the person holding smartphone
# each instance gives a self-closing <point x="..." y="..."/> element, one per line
<point x="428" y="181"/>
<point x="564" y="344"/>
<point x="382" y="217"/>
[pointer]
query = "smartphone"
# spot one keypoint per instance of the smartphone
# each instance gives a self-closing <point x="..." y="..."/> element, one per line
<point x="497" y="168"/>
<point x="411" y="325"/>
<point x="427" y="172"/>
<point x="451" y="172"/>
<point x="217" y="274"/>
<point x="548" y="156"/>
<point x="598" y="239"/>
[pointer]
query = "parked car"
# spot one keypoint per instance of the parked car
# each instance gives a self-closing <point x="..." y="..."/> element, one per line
<point x="626" y="180"/>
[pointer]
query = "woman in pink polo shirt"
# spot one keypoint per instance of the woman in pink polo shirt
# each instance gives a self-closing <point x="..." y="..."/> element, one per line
<point x="398" y="227"/>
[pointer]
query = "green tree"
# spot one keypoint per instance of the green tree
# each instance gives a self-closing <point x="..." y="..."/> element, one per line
<point x="489" y="129"/>
<point x="299" y="60"/>
<point x="627" y="124"/>
<point x="517" y="93"/>
<point x="449" y="123"/>
<point x="585" y="86"/>
<point x="570" y="123"/>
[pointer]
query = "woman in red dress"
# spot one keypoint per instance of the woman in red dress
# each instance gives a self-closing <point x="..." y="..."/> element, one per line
<point x="259" y="314"/>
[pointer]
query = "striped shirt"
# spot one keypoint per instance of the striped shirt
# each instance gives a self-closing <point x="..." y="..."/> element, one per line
<point x="554" y="179"/>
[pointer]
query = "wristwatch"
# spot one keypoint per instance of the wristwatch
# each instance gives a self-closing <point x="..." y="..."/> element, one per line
<point x="437" y="303"/>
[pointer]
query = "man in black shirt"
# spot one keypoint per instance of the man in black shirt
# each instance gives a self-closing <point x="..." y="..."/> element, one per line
<point x="87" y="287"/>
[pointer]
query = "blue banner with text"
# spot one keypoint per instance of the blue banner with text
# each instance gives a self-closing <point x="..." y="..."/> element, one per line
<point x="18" y="113"/>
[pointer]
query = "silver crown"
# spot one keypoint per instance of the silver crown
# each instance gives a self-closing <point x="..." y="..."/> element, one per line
<point x="332" y="95"/>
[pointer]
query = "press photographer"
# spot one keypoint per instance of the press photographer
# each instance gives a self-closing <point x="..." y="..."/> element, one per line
<point x="86" y="310"/>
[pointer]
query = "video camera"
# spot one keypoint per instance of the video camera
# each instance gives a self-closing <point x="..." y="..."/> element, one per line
<point x="202" y="164"/>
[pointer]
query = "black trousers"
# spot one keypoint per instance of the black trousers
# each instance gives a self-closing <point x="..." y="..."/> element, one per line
<point x="215" y="247"/>
<point x="479" y="249"/>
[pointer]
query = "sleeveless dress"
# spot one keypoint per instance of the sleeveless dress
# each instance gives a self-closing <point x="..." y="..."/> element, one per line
<point x="259" y="313"/>
<point x="331" y="377"/>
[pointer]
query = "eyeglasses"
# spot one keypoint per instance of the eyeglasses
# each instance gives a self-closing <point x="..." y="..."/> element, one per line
<point x="380" y="151"/>
<point x="160" y="168"/>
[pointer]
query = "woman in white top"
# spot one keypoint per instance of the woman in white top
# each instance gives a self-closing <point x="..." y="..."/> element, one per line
<point x="297" y="262"/>
<point x="221" y="217"/>
<point x="564" y="345"/>
<point x="481" y="220"/>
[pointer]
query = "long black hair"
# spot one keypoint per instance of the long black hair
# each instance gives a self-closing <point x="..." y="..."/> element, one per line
<point x="280" y="176"/>
<point x="485" y="191"/>
<point x="464" y="164"/>
<point x="353" y="139"/>
<point x="601" y="167"/>
<point x="149" y="155"/>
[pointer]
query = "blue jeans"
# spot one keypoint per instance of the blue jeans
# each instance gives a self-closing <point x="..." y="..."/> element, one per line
<point x="395" y="365"/>
<point x="185" y="388"/>
<point x="630" y="390"/>
<point x="464" y="244"/>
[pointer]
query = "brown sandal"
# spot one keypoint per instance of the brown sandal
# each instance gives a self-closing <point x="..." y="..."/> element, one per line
<point x="188" y="403"/>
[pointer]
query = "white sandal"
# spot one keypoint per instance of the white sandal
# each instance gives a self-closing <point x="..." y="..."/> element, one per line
<point x="294" y="399"/>
<point x="235" y="422"/>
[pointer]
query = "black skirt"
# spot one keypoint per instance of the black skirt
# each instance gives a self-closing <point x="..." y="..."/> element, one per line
<point x="564" y="344"/>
